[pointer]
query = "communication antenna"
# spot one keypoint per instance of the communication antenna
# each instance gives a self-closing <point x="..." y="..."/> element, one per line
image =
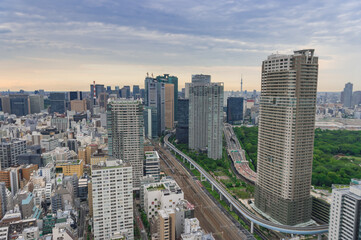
<point x="241" y="84"/>
<point x="94" y="95"/>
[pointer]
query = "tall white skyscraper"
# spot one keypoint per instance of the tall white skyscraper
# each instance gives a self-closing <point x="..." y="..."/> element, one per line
<point x="345" y="213"/>
<point x="286" y="136"/>
<point x="206" y="115"/>
<point x="112" y="194"/>
<point x="125" y="134"/>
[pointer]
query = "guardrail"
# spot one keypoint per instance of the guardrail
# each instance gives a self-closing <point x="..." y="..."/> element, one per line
<point x="310" y="230"/>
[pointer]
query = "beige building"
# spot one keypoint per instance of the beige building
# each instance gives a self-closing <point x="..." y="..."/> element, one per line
<point x="286" y="136"/>
<point x="78" y="105"/>
<point x="69" y="167"/>
<point x="169" y="105"/>
<point x="166" y="224"/>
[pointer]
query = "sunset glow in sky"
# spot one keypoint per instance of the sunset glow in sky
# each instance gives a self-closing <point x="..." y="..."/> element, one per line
<point x="65" y="45"/>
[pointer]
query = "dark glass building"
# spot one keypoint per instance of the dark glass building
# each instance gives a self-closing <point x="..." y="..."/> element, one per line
<point x="75" y="95"/>
<point x="183" y="118"/>
<point x="234" y="110"/>
<point x="57" y="102"/>
<point x="99" y="88"/>
<point x="19" y="104"/>
<point x="136" y="92"/>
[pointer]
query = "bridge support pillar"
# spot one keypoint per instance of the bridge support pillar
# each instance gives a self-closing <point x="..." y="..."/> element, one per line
<point x="221" y="196"/>
<point x="184" y="159"/>
<point x="191" y="166"/>
<point x="202" y="178"/>
<point x="212" y="187"/>
<point x="231" y="207"/>
<point x="252" y="227"/>
<point x="319" y="236"/>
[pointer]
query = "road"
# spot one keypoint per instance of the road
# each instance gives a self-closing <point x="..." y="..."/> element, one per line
<point x="237" y="206"/>
<point x="139" y="222"/>
<point x="211" y="218"/>
<point x="237" y="155"/>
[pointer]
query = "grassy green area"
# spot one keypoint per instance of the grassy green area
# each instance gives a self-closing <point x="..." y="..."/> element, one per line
<point x="248" y="138"/>
<point x="336" y="158"/>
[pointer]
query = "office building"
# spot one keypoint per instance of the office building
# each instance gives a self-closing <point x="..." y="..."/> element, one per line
<point x="155" y="101"/>
<point x="70" y="167"/>
<point x="57" y="102"/>
<point x="286" y="136"/>
<point x="183" y="119"/>
<point x="125" y="92"/>
<point x="75" y="95"/>
<point x="112" y="197"/>
<point x="125" y="134"/>
<point x="200" y="78"/>
<point x="49" y="144"/>
<point x="19" y="104"/>
<point x="234" y="110"/>
<point x="183" y="210"/>
<point x="136" y="92"/>
<point x="345" y="213"/>
<point x="5" y="104"/>
<point x="72" y="144"/>
<point x="346" y="95"/>
<point x="10" y="150"/>
<point x="36" y="103"/>
<point x="169" y="105"/>
<point x="206" y="116"/>
<point x="60" y="123"/>
<point x="78" y="105"/>
<point x="152" y="165"/>
<point x="103" y="100"/>
<point x="171" y="80"/>
<point x="99" y="88"/>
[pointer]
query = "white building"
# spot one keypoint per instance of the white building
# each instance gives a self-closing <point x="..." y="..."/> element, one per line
<point x="152" y="165"/>
<point x="191" y="225"/>
<point x="48" y="172"/>
<point x="112" y="192"/>
<point x="49" y="144"/>
<point x="31" y="233"/>
<point x="161" y="196"/>
<point x="4" y="233"/>
<point x="48" y="189"/>
<point x="345" y="213"/>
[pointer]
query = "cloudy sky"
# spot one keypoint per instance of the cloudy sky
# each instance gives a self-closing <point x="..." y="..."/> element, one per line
<point x="65" y="45"/>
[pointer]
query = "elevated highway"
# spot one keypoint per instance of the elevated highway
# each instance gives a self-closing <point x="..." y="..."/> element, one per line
<point x="235" y="205"/>
<point x="237" y="155"/>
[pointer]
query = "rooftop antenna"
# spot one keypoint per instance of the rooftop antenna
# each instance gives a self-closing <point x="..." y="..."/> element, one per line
<point x="241" y="84"/>
<point x="94" y="95"/>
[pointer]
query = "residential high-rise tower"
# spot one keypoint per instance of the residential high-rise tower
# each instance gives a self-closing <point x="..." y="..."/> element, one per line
<point x="112" y="199"/>
<point x="125" y="134"/>
<point x="286" y="136"/>
<point x="206" y="116"/>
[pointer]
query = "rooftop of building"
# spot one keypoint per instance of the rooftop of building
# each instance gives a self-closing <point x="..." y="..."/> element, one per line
<point x="110" y="163"/>
<point x="151" y="155"/>
<point x="27" y="199"/>
<point x="68" y="162"/>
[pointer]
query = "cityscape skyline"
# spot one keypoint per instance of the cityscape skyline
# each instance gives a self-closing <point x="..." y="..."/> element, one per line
<point x="53" y="45"/>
